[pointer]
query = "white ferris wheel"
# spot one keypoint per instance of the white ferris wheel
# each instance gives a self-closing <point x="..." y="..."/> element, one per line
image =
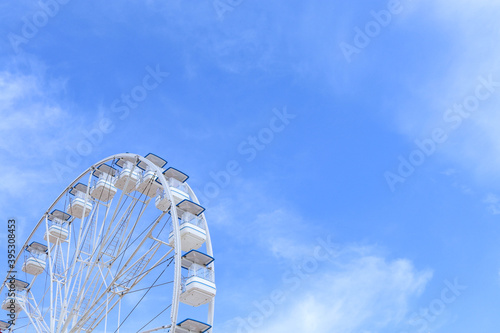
<point x="124" y="248"/>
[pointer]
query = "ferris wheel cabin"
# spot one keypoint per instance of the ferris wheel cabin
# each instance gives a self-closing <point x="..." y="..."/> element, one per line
<point x="36" y="263"/>
<point x="148" y="184"/>
<point x="80" y="206"/>
<point x="129" y="175"/>
<point x="176" y="181"/>
<point x="192" y="226"/>
<point x="4" y="325"/>
<point x="16" y="302"/>
<point x="58" y="230"/>
<point x="198" y="286"/>
<point x="104" y="189"/>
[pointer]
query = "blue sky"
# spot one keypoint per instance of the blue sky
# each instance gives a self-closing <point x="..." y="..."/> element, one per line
<point x="318" y="173"/>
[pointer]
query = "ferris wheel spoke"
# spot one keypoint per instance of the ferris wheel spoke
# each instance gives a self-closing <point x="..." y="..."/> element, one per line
<point x="97" y="295"/>
<point x="92" y="241"/>
<point x="122" y="250"/>
<point x="134" y="271"/>
<point x="159" y="314"/>
<point x="140" y="300"/>
<point x="116" y="240"/>
<point x="103" y="315"/>
<point x="118" y="275"/>
<point x="31" y="312"/>
<point x="160" y="261"/>
<point x="100" y="313"/>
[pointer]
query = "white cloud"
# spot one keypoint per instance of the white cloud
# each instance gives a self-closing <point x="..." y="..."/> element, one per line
<point x="32" y="122"/>
<point x="450" y="9"/>
<point x="354" y="289"/>
<point x="493" y="203"/>
<point x="468" y="31"/>
<point x="34" y="129"/>
<point x="366" y="293"/>
<point x="280" y="231"/>
<point x="449" y="172"/>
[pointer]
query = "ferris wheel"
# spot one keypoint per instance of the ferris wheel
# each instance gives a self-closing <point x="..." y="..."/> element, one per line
<point x="124" y="248"/>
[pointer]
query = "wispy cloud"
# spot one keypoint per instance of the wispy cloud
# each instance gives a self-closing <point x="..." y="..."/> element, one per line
<point x="34" y="127"/>
<point x="365" y="292"/>
<point x="473" y="53"/>
<point x="493" y="203"/>
<point x="344" y="288"/>
<point x="33" y="122"/>
<point x="276" y="227"/>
